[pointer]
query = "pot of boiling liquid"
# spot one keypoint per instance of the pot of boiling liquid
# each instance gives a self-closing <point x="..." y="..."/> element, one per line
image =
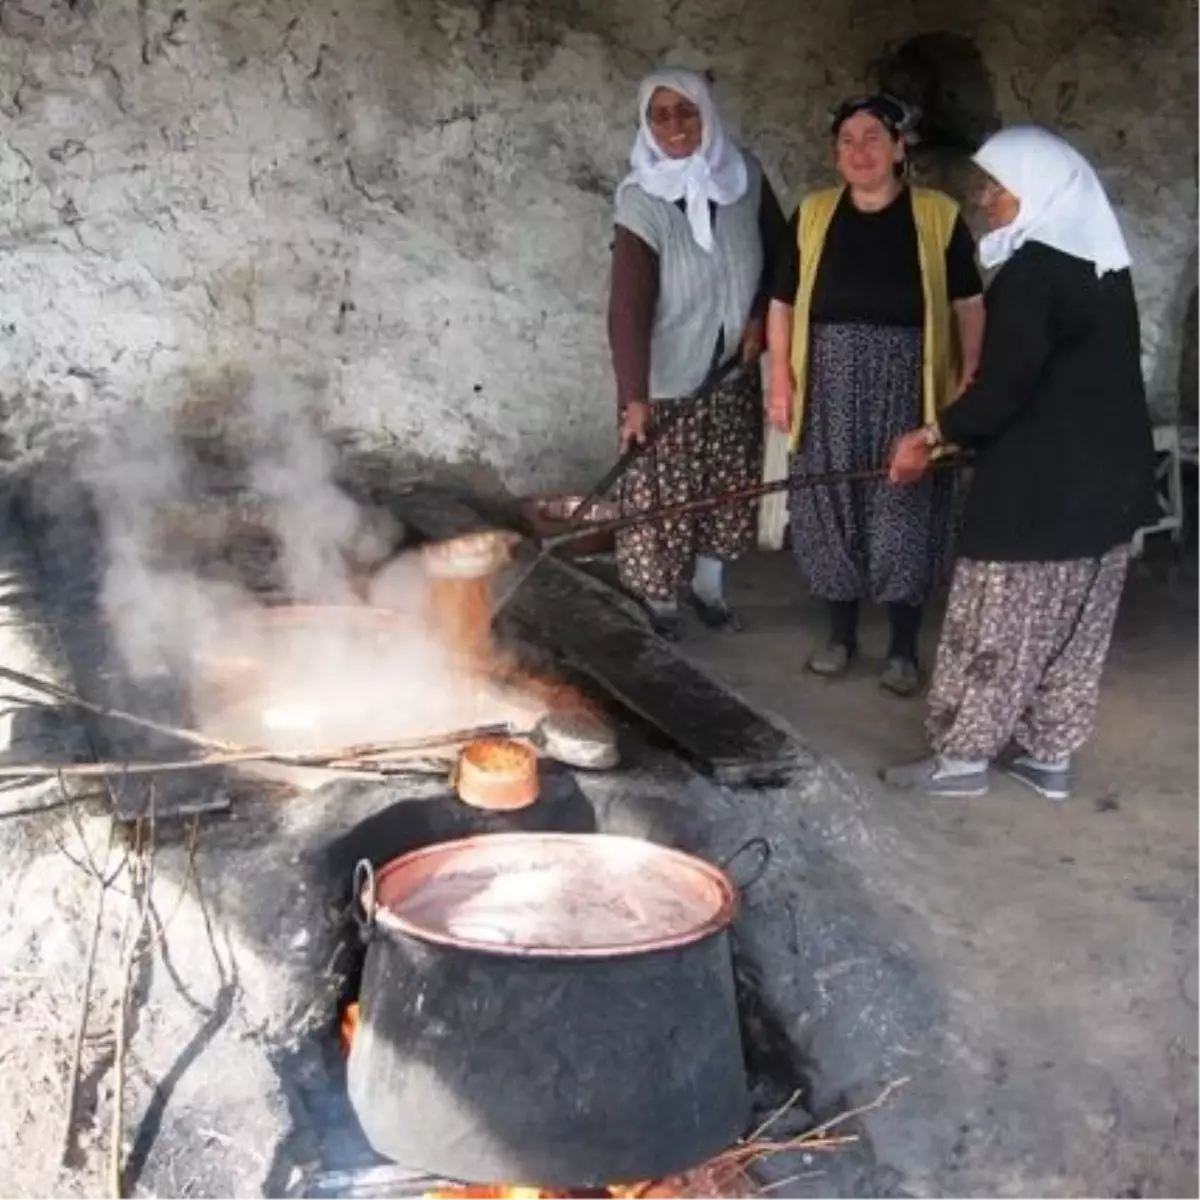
<point x="549" y="1009"/>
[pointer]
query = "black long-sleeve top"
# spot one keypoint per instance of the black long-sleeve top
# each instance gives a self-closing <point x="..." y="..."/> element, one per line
<point x="1057" y="415"/>
<point x="870" y="268"/>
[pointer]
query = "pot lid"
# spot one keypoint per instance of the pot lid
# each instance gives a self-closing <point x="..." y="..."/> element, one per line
<point x="554" y="895"/>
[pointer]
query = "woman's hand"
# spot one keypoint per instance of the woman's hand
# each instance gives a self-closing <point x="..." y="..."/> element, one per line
<point x="780" y="401"/>
<point x="910" y="457"/>
<point x="754" y="340"/>
<point x="635" y="424"/>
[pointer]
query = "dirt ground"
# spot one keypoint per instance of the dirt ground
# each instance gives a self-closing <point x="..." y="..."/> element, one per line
<point x="1067" y="931"/>
<point x="1060" y="940"/>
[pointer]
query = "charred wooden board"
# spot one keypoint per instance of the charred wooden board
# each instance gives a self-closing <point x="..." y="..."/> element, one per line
<point x="601" y="635"/>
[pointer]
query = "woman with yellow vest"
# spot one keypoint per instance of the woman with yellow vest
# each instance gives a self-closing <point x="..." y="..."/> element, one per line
<point x="876" y="321"/>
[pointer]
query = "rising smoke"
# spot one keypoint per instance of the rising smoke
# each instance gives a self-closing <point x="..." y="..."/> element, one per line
<point x="170" y="483"/>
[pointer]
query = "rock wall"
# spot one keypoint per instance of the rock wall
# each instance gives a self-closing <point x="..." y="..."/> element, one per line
<point x="406" y="203"/>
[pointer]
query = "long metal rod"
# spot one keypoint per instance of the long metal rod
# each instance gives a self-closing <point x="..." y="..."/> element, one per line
<point x="578" y="518"/>
<point x="667" y="512"/>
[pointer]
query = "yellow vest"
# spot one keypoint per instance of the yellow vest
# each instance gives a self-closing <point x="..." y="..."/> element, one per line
<point x="934" y="214"/>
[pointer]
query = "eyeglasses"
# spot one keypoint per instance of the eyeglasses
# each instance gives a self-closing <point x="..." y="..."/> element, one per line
<point x="679" y="113"/>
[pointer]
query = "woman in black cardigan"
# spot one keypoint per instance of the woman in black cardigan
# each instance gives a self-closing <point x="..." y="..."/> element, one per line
<point x="1064" y="477"/>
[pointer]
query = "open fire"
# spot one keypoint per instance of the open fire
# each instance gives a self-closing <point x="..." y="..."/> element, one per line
<point x="709" y="1181"/>
<point x="524" y="1193"/>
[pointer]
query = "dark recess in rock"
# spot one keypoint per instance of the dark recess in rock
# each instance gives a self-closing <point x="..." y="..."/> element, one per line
<point x="946" y="76"/>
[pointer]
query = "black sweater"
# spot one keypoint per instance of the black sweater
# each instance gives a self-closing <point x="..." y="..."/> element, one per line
<point x="1058" y="416"/>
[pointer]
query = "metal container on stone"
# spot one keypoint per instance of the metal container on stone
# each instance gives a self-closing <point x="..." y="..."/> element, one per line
<point x="548" y="1009"/>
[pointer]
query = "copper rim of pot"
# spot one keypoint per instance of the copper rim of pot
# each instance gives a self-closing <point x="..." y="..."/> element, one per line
<point x="396" y="880"/>
<point x="496" y="773"/>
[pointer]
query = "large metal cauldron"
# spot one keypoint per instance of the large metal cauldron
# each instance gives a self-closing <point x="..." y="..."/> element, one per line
<point x="548" y="1009"/>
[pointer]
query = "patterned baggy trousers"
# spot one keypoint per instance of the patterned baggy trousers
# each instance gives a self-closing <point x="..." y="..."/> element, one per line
<point x="709" y="446"/>
<point x="1020" y="656"/>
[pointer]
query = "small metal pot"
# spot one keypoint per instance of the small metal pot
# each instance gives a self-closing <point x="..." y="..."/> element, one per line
<point x="484" y="1055"/>
<point x="549" y="515"/>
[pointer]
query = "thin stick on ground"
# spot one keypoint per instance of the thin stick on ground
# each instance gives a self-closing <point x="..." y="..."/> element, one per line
<point x="781" y="1111"/>
<point x="818" y="1139"/>
<point x="142" y="879"/>
<point x="765" y="1189"/>
<point x="894" y="1086"/>
<point x="160" y="932"/>
<point x="85" y="1002"/>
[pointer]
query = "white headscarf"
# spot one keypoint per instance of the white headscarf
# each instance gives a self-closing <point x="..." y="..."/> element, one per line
<point x="716" y="172"/>
<point x="1063" y="204"/>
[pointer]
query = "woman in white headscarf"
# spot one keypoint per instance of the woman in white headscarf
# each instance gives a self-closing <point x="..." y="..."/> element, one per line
<point x="1064" y="477"/>
<point x="695" y="225"/>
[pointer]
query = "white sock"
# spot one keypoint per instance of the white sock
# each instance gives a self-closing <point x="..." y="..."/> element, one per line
<point x="663" y="608"/>
<point x="961" y="766"/>
<point x="707" y="580"/>
<point x="1062" y="763"/>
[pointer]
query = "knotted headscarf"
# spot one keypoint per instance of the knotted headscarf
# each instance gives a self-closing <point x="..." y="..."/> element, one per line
<point x="898" y="118"/>
<point x="1063" y="203"/>
<point x="715" y="173"/>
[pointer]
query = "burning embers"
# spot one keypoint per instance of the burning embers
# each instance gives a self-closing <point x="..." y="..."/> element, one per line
<point x="526" y="1193"/>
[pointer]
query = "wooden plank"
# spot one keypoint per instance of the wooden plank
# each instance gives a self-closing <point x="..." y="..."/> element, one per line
<point x="601" y="634"/>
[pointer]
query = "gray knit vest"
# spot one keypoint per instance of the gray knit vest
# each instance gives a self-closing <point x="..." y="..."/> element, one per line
<point x="700" y="293"/>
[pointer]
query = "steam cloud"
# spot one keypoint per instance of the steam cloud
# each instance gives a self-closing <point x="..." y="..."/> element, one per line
<point x="169" y="481"/>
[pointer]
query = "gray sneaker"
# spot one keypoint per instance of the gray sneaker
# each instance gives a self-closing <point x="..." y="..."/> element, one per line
<point x="928" y="776"/>
<point x="901" y="677"/>
<point x="830" y="662"/>
<point x="1052" y="782"/>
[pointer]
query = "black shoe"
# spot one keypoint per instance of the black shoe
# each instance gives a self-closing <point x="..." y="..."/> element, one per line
<point x="901" y="677"/>
<point x="718" y="617"/>
<point x="667" y="625"/>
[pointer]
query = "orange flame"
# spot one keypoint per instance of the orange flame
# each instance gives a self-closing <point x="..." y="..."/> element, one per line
<point x="348" y="1027"/>
<point x="499" y="1192"/>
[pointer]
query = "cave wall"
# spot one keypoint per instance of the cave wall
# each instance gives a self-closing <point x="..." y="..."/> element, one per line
<point x="405" y="205"/>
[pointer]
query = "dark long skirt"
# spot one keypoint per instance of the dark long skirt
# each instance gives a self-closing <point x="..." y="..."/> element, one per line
<point x="711" y="445"/>
<point x="875" y="540"/>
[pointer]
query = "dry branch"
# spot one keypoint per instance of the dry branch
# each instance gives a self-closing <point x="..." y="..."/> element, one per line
<point x="70" y="698"/>
<point x="742" y="1156"/>
<point x="136" y="923"/>
<point x="365" y="758"/>
<point x="105" y="880"/>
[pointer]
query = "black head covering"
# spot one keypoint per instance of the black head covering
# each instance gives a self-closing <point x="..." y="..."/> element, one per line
<point x="894" y="114"/>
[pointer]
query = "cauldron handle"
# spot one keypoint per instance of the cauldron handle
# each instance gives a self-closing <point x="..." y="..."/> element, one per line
<point x="764" y="851"/>
<point x="362" y="901"/>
